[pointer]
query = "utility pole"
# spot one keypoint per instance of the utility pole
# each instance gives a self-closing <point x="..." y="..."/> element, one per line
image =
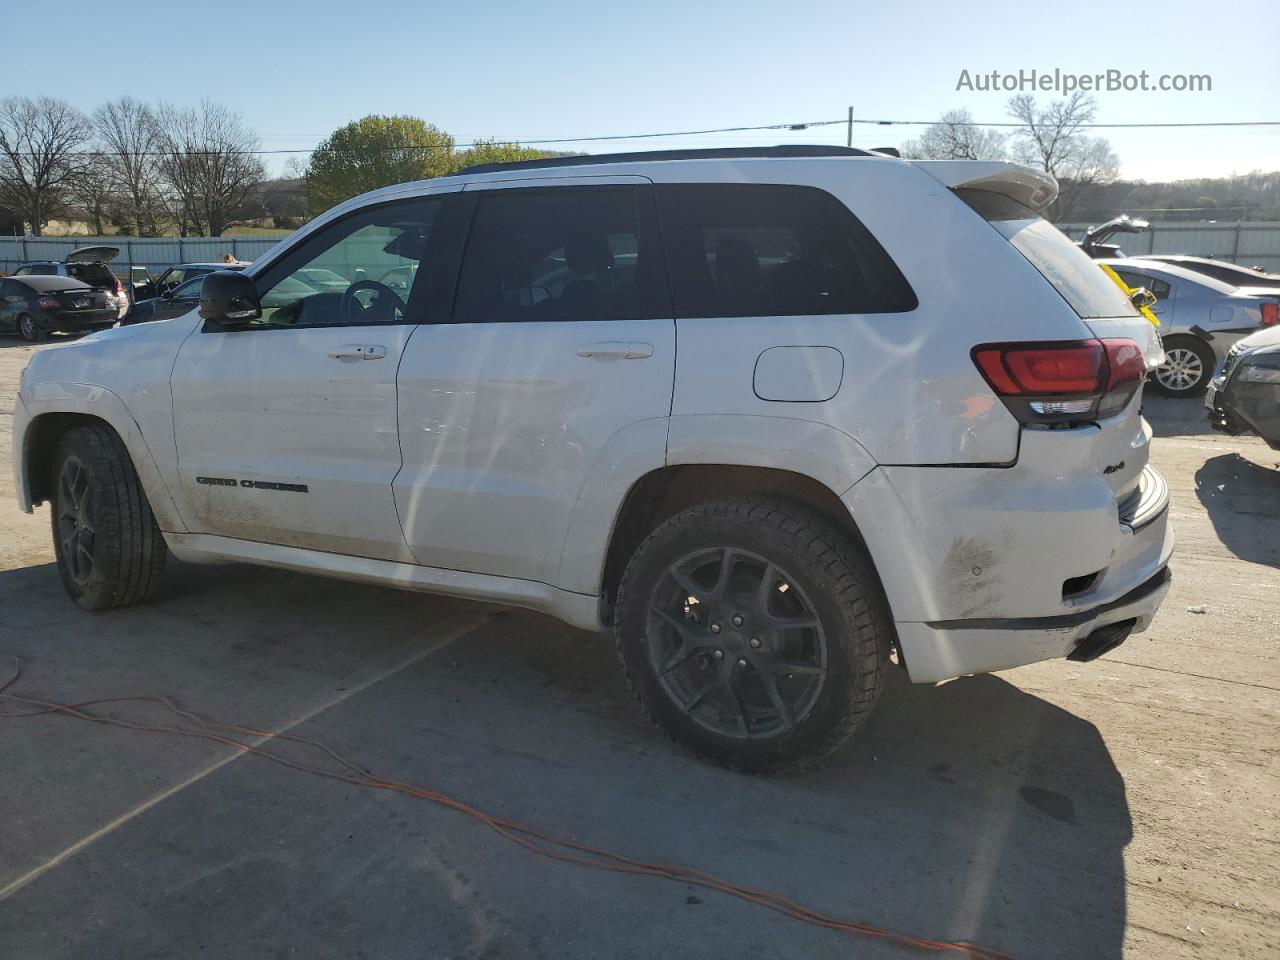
<point x="848" y="140"/>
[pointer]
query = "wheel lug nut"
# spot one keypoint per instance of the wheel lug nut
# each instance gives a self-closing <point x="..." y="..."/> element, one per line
<point x="715" y="628"/>
<point x="755" y="643"/>
<point x="737" y="619"/>
<point x="718" y="654"/>
<point x="742" y="662"/>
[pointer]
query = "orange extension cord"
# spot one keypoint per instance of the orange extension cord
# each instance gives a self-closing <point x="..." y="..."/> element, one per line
<point x="532" y="839"/>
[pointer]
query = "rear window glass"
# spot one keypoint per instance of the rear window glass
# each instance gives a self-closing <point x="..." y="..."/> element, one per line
<point x="1080" y="281"/>
<point x="92" y="273"/>
<point x="763" y="250"/>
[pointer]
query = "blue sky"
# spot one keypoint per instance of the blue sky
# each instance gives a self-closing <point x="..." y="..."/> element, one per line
<point x="526" y="71"/>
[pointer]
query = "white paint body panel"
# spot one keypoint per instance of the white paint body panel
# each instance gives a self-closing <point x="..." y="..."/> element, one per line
<point x="272" y="405"/>
<point x="491" y="460"/>
<point x="501" y="424"/>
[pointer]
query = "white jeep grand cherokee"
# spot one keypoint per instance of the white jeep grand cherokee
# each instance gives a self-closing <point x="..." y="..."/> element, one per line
<point x="778" y="417"/>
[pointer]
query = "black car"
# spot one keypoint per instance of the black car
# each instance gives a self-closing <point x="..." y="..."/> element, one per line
<point x="34" y="306"/>
<point x="173" y="303"/>
<point x="1245" y="397"/>
<point x="90" y="264"/>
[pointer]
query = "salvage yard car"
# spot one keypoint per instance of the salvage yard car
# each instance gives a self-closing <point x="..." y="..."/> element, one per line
<point x="1200" y="318"/>
<point x="35" y="305"/>
<point x="87" y="264"/>
<point x="777" y="417"/>
<point x="1245" y="397"/>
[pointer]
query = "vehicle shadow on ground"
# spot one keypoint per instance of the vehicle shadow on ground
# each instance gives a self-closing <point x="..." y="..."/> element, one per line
<point x="1239" y="495"/>
<point x="972" y="811"/>
<point x="1170" y="417"/>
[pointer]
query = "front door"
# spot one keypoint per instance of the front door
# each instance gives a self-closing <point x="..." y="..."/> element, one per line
<point x="286" y="430"/>
<point x="558" y="356"/>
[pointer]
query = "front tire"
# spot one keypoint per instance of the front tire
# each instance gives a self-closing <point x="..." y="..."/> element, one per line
<point x="29" y="330"/>
<point x="1187" y="370"/>
<point x="754" y="632"/>
<point x="110" y="551"/>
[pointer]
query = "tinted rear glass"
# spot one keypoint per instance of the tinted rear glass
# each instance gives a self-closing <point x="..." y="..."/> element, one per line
<point x="1080" y="281"/>
<point x="97" y="274"/>
<point x="759" y="250"/>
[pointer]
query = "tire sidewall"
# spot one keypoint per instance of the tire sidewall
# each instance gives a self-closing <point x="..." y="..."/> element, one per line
<point x="676" y="539"/>
<point x="97" y="585"/>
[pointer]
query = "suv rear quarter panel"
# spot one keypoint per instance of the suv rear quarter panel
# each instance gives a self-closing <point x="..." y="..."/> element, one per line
<point x="909" y="393"/>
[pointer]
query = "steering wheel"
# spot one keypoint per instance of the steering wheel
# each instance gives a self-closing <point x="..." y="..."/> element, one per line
<point x="349" y="301"/>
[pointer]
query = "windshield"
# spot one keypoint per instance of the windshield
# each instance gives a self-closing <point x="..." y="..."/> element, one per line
<point x="1089" y="291"/>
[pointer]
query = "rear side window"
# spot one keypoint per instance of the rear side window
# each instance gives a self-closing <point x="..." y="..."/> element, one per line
<point x="763" y="250"/>
<point x="1080" y="281"/>
<point x="553" y="254"/>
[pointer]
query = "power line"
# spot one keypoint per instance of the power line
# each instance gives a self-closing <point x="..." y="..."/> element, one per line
<point x="800" y="125"/>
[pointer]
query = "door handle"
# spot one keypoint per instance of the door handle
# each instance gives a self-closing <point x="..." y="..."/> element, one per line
<point x="616" y="350"/>
<point x="358" y="351"/>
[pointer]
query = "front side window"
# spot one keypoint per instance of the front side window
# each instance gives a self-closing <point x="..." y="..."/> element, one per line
<point x="189" y="290"/>
<point x="558" y="254"/>
<point x="170" y="279"/>
<point x="758" y="250"/>
<point x="1158" y="287"/>
<point x="359" y="270"/>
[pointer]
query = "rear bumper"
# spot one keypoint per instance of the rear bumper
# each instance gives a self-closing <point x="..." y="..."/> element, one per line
<point x="936" y="652"/>
<point x="987" y="569"/>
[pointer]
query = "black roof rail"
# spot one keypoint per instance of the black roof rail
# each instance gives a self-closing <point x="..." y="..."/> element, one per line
<point x="713" y="153"/>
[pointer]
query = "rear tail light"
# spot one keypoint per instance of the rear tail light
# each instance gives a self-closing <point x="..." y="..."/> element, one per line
<point x="1062" y="382"/>
<point x="49" y="303"/>
<point x="1270" y="314"/>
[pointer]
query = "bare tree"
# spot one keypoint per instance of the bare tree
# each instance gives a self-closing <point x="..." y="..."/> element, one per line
<point x="207" y="165"/>
<point x="130" y="139"/>
<point x="91" y="191"/>
<point x="956" y="137"/>
<point x="1053" y="139"/>
<point x="39" y="140"/>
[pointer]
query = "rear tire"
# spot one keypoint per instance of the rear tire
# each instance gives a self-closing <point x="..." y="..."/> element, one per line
<point x="1188" y="367"/>
<point x="110" y="551"/>
<point x="29" y="330"/>
<point x="782" y="653"/>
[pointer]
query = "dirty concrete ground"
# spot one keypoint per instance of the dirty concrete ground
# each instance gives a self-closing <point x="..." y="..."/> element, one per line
<point x="1127" y="807"/>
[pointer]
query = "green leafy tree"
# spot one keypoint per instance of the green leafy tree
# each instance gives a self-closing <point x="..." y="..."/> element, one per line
<point x="491" y="151"/>
<point x="375" y="151"/>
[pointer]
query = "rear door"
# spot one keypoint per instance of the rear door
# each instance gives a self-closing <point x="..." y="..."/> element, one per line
<point x="558" y="353"/>
<point x="286" y="431"/>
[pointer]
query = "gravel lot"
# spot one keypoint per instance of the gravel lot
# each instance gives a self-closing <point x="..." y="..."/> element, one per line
<point x="1127" y="807"/>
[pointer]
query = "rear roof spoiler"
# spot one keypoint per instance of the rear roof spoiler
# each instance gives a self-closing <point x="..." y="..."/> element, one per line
<point x="1032" y="188"/>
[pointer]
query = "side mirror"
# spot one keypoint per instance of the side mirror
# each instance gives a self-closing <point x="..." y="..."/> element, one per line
<point x="1142" y="297"/>
<point x="229" y="300"/>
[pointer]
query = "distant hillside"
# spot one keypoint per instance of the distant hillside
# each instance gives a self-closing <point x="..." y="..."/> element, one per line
<point x="1251" y="196"/>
